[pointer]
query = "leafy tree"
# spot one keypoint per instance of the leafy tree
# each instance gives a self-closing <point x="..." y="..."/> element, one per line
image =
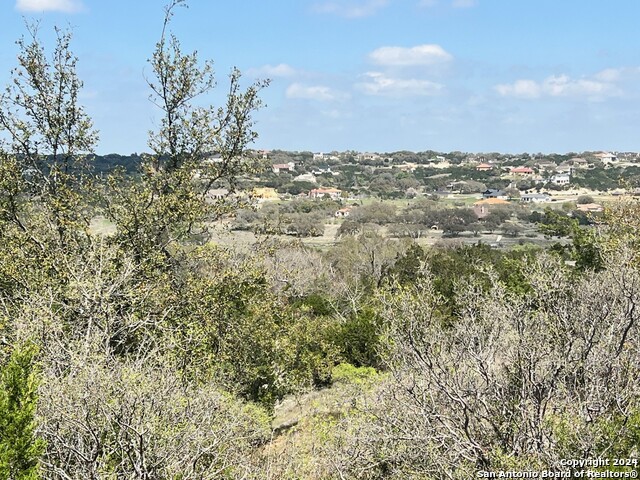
<point x="169" y="204"/>
<point x="409" y="264"/>
<point x="305" y="225"/>
<point x="385" y="186"/>
<point x="585" y="249"/>
<point x="456" y="220"/>
<point x="512" y="229"/>
<point x="348" y="227"/>
<point x="49" y="135"/>
<point x="358" y="338"/>
<point x="380" y="213"/>
<point x="582" y="199"/>
<point x="20" y="448"/>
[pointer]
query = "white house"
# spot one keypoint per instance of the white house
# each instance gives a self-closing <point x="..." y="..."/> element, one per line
<point x="535" y="198"/>
<point x="561" y="179"/>
<point x="607" y="158"/>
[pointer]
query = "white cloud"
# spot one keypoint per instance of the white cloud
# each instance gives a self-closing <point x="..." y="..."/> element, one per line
<point x="381" y="84"/>
<point x="280" y="70"/>
<point x="66" y="6"/>
<point x="520" y="88"/>
<point x="618" y="74"/>
<point x="562" y="85"/>
<point x="419" y="55"/>
<point x="594" y="88"/>
<point x="351" y="8"/>
<point x="609" y="75"/>
<point x="464" y="3"/>
<point x="313" y="92"/>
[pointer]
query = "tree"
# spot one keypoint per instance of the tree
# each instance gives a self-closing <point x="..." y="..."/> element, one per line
<point x="380" y="213"/>
<point x="511" y="229"/>
<point x="582" y="199"/>
<point x="456" y="220"/>
<point x="49" y="135"/>
<point x="348" y="227"/>
<point x="170" y="203"/>
<point x="20" y="448"/>
<point x="385" y="186"/>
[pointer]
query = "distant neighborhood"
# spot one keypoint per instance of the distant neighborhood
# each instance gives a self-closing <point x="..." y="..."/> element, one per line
<point x="529" y="178"/>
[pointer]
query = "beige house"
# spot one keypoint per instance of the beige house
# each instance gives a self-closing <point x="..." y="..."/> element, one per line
<point x="325" y="192"/>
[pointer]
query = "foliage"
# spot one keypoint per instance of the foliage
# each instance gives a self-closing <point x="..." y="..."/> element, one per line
<point x="20" y="447"/>
<point x="509" y="384"/>
<point x="357" y="339"/>
<point x="169" y="203"/>
<point x="582" y="199"/>
<point x="346" y="372"/>
<point x="585" y="249"/>
<point x="162" y="355"/>
<point x="127" y="418"/>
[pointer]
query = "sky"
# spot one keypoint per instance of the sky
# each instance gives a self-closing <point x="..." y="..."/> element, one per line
<point x="369" y="75"/>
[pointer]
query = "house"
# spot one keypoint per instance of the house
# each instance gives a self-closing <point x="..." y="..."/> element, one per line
<point x="494" y="193"/>
<point x="482" y="207"/>
<point x="607" y="158"/>
<point x="368" y="156"/>
<point x="589" y="207"/>
<point x="561" y="179"/>
<point x="565" y="167"/>
<point x="578" y="162"/>
<point x="522" y="171"/>
<point x="325" y="192"/>
<point x="535" y="198"/>
<point x="319" y="170"/>
<point x="484" y="167"/>
<point x="283" y="167"/>
<point x="343" y="212"/>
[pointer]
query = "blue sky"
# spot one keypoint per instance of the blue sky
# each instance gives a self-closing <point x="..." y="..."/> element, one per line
<point x="375" y="75"/>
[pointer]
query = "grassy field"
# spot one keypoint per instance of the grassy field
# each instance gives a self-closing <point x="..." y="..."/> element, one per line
<point x="243" y="239"/>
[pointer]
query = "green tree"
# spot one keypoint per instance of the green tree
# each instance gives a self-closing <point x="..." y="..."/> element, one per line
<point x="48" y="136"/>
<point x="169" y="204"/>
<point x="20" y="448"/>
<point x="583" y="199"/>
